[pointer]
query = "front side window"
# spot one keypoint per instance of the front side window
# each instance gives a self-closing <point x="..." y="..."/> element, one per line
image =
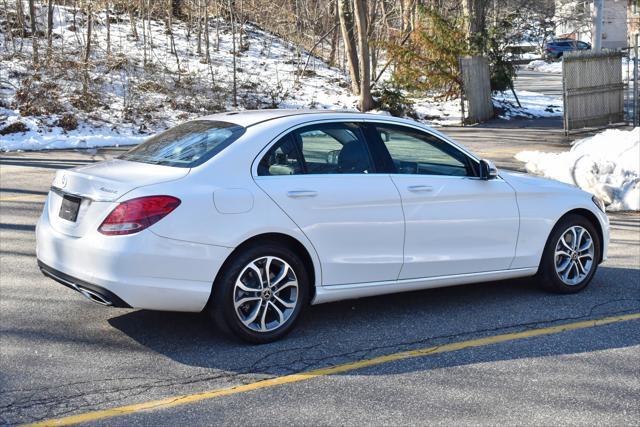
<point x="334" y="148"/>
<point x="415" y="152"/>
<point x="187" y="145"/>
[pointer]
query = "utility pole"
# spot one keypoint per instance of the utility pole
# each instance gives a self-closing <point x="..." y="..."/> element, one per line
<point x="598" y="21"/>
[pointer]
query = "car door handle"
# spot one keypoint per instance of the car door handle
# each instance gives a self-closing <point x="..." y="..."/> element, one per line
<point x="299" y="194"/>
<point x="420" y="188"/>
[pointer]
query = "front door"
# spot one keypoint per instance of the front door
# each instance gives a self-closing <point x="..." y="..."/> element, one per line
<point x="455" y="222"/>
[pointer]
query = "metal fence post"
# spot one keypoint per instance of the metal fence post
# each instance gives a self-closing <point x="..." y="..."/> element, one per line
<point x="636" y="92"/>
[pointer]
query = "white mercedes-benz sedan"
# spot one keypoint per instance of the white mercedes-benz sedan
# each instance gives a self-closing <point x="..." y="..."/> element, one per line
<point x="252" y="216"/>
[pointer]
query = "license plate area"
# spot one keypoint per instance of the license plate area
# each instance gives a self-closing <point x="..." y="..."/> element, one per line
<point x="70" y="207"/>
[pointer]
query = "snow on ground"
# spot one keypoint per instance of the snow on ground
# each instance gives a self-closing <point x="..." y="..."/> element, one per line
<point x="543" y="66"/>
<point x="606" y="164"/>
<point x="534" y="104"/>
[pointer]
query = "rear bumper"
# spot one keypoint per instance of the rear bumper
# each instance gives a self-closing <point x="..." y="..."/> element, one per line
<point x="90" y="291"/>
<point x="142" y="270"/>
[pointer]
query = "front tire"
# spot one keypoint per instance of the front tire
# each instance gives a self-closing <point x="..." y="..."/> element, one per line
<point x="259" y="295"/>
<point x="571" y="256"/>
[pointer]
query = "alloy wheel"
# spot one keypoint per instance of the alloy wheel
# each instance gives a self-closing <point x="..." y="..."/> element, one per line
<point x="265" y="294"/>
<point x="574" y="255"/>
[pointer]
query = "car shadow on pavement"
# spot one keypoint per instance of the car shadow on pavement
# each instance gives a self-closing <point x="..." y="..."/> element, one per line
<point x="353" y="330"/>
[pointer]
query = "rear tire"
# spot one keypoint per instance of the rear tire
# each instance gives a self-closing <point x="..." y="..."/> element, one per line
<point x="260" y="293"/>
<point x="571" y="255"/>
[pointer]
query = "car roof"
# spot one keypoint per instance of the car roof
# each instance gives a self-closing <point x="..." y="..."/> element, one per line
<point x="252" y="117"/>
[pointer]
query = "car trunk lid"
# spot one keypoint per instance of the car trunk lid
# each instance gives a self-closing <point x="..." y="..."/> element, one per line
<point x="80" y="198"/>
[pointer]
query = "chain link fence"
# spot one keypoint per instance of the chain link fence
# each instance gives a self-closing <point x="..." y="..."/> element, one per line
<point x="593" y="89"/>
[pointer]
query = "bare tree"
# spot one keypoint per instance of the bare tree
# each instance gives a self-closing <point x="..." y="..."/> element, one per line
<point x="346" y="27"/>
<point x="34" y="34"/>
<point x="234" y="52"/>
<point x="20" y="17"/>
<point x="334" y="35"/>
<point x="199" y="29"/>
<point x="49" y="28"/>
<point x="108" y="24"/>
<point x="360" y="13"/>
<point x="132" y="20"/>
<point x="87" y="48"/>
<point x="206" y="32"/>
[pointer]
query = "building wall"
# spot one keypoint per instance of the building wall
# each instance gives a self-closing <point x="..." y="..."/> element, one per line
<point x="614" y="29"/>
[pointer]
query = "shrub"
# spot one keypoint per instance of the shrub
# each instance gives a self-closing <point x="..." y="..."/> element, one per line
<point x="14" y="127"/>
<point x="67" y="122"/>
<point x="392" y="99"/>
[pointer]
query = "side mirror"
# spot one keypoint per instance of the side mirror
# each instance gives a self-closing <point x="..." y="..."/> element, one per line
<point x="487" y="170"/>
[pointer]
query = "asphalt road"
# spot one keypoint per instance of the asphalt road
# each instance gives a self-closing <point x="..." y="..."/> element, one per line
<point x="61" y="355"/>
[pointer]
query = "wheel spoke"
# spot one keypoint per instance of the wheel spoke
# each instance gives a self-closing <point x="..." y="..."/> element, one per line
<point x="565" y="244"/>
<point x="243" y="301"/>
<point x="565" y="276"/>
<point x="574" y="242"/>
<point x="580" y="268"/>
<point x="263" y="324"/>
<point x="257" y="270"/>
<point x="579" y="235"/>
<point x="586" y="246"/>
<point x="267" y="270"/>
<point x="562" y="267"/>
<point x="278" y="311"/>
<point x="284" y="303"/>
<point x="284" y="272"/>
<point x="244" y="287"/>
<point x="289" y="284"/>
<point x="563" y="253"/>
<point x="254" y="314"/>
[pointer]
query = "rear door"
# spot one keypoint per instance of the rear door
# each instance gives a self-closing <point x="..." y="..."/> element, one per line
<point x="455" y="222"/>
<point x="322" y="176"/>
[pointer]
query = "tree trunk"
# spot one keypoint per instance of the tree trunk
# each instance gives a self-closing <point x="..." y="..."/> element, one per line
<point x="407" y="12"/>
<point x="132" y="21"/>
<point x="108" y="30"/>
<point x="20" y="17"/>
<point x="360" y="13"/>
<point x="474" y="13"/>
<point x="49" y="27"/>
<point x="233" y="44"/>
<point x="346" y="27"/>
<point x="199" y="29"/>
<point x="87" y="49"/>
<point x="206" y="31"/>
<point x="34" y="36"/>
<point x="334" y="37"/>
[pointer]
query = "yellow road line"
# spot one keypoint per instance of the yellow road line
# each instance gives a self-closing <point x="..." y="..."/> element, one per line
<point x="346" y="367"/>
<point x="23" y="197"/>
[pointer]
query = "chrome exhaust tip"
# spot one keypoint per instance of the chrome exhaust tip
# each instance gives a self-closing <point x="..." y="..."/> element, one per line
<point x="92" y="296"/>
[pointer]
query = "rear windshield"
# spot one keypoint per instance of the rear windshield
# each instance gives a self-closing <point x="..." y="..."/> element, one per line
<point x="187" y="145"/>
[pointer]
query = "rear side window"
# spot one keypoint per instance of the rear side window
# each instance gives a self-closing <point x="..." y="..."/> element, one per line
<point x="187" y="145"/>
<point x="333" y="148"/>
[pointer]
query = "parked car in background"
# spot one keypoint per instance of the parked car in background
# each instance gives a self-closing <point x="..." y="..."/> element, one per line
<point x="557" y="47"/>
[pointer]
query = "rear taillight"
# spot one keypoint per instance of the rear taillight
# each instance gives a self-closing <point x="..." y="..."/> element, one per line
<point x="137" y="214"/>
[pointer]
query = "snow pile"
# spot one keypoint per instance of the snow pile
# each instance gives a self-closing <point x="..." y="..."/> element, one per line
<point x="606" y="164"/>
<point x="543" y="66"/>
